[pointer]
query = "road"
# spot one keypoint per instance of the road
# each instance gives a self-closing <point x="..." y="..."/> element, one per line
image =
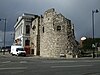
<point x="37" y="66"/>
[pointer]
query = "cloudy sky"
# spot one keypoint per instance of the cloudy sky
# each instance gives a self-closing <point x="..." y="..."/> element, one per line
<point x="79" y="11"/>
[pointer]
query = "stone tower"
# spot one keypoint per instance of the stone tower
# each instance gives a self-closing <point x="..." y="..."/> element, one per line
<point x="57" y="36"/>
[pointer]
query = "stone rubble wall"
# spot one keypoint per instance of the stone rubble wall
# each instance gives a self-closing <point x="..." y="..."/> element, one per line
<point x="54" y="42"/>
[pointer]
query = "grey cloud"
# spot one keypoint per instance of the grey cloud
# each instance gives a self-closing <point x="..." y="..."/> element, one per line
<point x="79" y="11"/>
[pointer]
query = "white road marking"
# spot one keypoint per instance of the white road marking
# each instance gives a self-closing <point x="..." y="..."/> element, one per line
<point x="13" y="68"/>
<point x="6" y="62"/>
<point x="23" y="62"/>
<point x="89" y="61"/>
<point x="64" y="61"/>
<point x="70" y="66"/>
<point x="70" y="61"/>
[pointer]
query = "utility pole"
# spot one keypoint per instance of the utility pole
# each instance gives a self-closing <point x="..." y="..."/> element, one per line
<point x="93" y="45"/>
<point x="4" y="34"/>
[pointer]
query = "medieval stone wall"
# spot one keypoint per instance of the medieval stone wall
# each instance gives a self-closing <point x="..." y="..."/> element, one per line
<point x="57" y="36"/>
<point x="35" y="36"/>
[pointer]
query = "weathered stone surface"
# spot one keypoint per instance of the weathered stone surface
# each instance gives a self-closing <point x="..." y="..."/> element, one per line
<point x="58" y="36"/>
<point x="53" y="35"/>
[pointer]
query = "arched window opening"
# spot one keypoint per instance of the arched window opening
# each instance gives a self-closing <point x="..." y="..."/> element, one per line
<point x="58" y="28"/>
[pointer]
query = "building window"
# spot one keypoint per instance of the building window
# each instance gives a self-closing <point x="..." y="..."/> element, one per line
<point x="34" y="27"/>
<point x="48" y="19"/>
<point x="58" y="28"/>
<point x="27" y="29"/>
<point x="43" y="29"/>
<point x="27" y="42"/>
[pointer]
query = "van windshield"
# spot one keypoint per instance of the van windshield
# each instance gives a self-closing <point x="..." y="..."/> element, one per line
<point x="19" y="49"/>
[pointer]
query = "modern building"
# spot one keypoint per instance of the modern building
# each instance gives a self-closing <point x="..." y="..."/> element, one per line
<point x="22" y="30"/>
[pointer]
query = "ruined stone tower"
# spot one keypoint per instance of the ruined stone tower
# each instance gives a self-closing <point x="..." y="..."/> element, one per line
<point x="57" y="36"/>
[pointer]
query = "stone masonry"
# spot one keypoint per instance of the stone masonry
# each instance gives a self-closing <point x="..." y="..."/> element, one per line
<point x="53" y="35"/>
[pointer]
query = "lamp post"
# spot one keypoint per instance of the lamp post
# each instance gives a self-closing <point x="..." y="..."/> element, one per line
<point x="93" y="12"/>
<point x="82" y="39"/>
<point x="4" y="33"/>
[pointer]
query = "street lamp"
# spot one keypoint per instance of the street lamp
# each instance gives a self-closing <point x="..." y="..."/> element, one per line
<point x="93" y="12"/>
<point x="4" y="32"/>
<point x="82" y="39"/>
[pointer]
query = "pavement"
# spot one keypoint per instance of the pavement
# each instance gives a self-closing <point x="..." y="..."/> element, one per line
<point x="7" y="54"/>
<point x="35" y="65"/>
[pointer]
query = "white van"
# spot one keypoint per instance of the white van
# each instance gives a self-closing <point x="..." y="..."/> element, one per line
<point x="17" y="50"/>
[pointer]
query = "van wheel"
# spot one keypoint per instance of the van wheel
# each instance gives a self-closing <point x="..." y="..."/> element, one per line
<point x="12" y="54"/>
<point x="17" y="55"/>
